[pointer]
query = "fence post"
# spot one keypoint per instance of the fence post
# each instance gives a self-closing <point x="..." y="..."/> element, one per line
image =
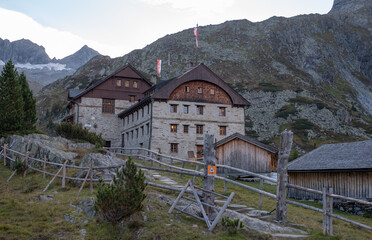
<point x="26" y="161"/>
<point x="330" y="211"/>
<point x="208" y="183"/>
<point x="64" y="174"/>
<point x="183" y="166"/>
<point x="44" y="166"/>
<point x="5" y="145"/>
<point x="260" y="196"/>
<point x="225" y="184"/>
<point x="286" y="139"/>
<point x="91" y="178"/>
<point x="325" y="211"/>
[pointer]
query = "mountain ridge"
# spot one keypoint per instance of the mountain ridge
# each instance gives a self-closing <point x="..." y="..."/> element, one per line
<point x="309" y="73"/>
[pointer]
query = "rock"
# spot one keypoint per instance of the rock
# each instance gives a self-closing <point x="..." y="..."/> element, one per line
<point x="83" y="232"/>
<point x="69" y="218"/>
<point x="194" y="225"/>
<point x="258" y="213"/>
<point x="144" y="217"/>
<point x="88" y="206"/>
<point x="46" y="198"/>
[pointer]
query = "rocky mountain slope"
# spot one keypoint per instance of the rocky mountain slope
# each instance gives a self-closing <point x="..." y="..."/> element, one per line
<point x="40" y="70"/>
<point x="309" y="73"/>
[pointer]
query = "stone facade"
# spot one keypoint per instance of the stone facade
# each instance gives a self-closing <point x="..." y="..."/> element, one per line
<point x="163" y="118"/>
<point x="92" y="118"/>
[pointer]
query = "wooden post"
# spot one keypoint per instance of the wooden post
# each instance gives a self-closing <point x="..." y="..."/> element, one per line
<point x="183" y="165"/>
<point x="286" y="140"/>
<point x="64" y="174"/>
<point x="44" y="166"/>
<point x="91" y="178"/>
<point x="330" y="211"/>
<point x="208" y="184"/>
<point x="52" y="179"/>
<point x="26" y="162"/>
<point x="5" y="145"/>
<point x="225" y="184"/>
<point x="325" y="220"/>
<point x="85" y="179"/>
<point x="260" y="196"/>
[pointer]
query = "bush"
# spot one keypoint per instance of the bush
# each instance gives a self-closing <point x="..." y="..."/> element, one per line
<point x="124" y="197"/>
<point x="232" y="226"/>
<point x="302" y="124"/>
<point x="20" y="166"/>
<point x="76" y="132"/>
<point x="285" y="111"/>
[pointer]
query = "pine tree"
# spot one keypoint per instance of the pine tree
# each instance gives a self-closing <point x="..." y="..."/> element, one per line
<point x="29" y="107"/>
<point x="11" y="102"/>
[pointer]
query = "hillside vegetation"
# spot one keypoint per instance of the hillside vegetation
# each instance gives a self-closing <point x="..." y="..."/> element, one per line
<point x="313" y="67"/>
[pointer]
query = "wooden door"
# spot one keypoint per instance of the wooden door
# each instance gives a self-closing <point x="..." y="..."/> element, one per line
<point x="199" y="149"/>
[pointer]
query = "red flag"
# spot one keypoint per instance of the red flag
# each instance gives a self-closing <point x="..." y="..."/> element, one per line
<point x="158" y="68"/>
<point x="196" y="35"/>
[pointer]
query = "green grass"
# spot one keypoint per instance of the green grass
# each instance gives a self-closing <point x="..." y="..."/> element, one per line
<point x="23" y="216"/>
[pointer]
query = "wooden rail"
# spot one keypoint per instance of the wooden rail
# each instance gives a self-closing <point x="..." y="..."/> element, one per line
<point x="167" y="161"/>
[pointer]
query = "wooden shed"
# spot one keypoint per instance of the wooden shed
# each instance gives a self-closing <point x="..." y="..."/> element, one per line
<point x="346" y="167"/>
<point x="246" y="153"/>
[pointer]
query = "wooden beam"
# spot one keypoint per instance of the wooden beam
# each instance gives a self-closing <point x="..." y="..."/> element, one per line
<point x="222" y="210"/>
<point x="286" y="140"/>
<point x="53" y="179"/>
<point x="86" y="177"/>
<point x="179" y="197"/>
<point x="208" y="181"/>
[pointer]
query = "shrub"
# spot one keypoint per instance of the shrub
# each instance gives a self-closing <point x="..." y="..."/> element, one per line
<point x="124" y="197"/>
<point x="232" y="226"/>
<point x="302" y="124"/>
<point x="20" y="166"/>
<point x="285" y="111"/>
<point x="77" y="132"/>
<point x="269" y="87"/>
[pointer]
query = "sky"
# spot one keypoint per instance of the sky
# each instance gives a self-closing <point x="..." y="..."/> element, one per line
<point x="116" y="27"/>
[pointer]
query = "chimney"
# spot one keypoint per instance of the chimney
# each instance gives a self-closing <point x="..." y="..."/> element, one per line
<point x="153" y="79"/>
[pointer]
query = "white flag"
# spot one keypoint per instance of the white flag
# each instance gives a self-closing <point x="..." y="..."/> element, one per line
<point x="158" y="68"/>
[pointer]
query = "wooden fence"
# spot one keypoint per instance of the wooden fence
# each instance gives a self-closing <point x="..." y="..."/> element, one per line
<point x="167" y="164"/>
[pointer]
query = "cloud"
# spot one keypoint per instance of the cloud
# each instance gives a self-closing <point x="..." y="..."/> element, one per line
<point x="57" y="43"/>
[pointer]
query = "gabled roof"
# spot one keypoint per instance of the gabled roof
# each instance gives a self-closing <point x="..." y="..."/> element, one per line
<point x="201" y="72"/>
<point x="339" y="157"/>
<point x="96" y="83"/>
<point x="247" y="139"/>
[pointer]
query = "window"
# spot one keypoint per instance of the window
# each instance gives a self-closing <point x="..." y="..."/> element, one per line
<point x="148" y="128"/>
<point x="200" y="90"/>
<point x="222" y="111"/>
<point x="135" y="84"/>
<point x="185" y="128"/>
<point x="127" y="136"/>
<point x="199" y="129"/>
<point x="199" y="110"/>
<point x="223" y="130"/>
<point x="137" y="114"/>
<point x="107" y="144"/>
<point x="173" y="128"/>
<point x="108" y="105"/>
<point x="173" y="108"/>
<point x="126" y="83"/>
<point x="211" y="91"/>
<point x="187" y="89"/>
<point x="132" y="98"/>
<point x="174" y="147"/>
<point x="132" y="117"/>
<point x="137" y="133"/>
<point x="118" y="82"/>
<point x="185" y="108"/>
<point x="142" y="131"/>
<point x="131" y="133"/>
<point x="128" y="120"/>
<point x="143" y="112"/>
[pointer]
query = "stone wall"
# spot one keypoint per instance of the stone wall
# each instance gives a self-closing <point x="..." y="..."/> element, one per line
<point x="136" y="128"/>
<point x="109" y="125"/>
<point x="162" y="119"/>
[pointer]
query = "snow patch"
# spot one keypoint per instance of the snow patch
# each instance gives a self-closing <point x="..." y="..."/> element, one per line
<point x="49" y="66"/>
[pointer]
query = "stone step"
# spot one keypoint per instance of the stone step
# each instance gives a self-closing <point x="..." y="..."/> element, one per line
<point x="283" y="236"/>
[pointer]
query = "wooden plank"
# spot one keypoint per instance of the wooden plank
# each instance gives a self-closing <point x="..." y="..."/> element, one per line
<point x="208" y="181"/>
<point x="85" y="179"/>
<point x="53" y="179"/>
<point x="44" y="166"/>
<point x="11" y="175"/>
<point x="206" y="219"/>
<point x="330" y="211"/>
<point x="222" y="210"/>
<point x="260" y="196"/>
<point x="179" y="197"/>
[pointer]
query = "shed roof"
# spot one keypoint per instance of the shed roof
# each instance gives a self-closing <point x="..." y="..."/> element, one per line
<point x="247" y="139"/>
<point x="339" y="157"/>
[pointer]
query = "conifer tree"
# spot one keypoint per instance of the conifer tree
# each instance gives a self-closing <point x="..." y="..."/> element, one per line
<point x="11" y="101"/>
<point x="29" y="107"/>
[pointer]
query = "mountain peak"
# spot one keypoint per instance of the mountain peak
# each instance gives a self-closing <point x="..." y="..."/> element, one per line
<point x="79" y="58"/>
<point x="347" y="6"/>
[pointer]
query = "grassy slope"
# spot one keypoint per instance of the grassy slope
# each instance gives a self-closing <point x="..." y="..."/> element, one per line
<point x="23" y="216"/>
